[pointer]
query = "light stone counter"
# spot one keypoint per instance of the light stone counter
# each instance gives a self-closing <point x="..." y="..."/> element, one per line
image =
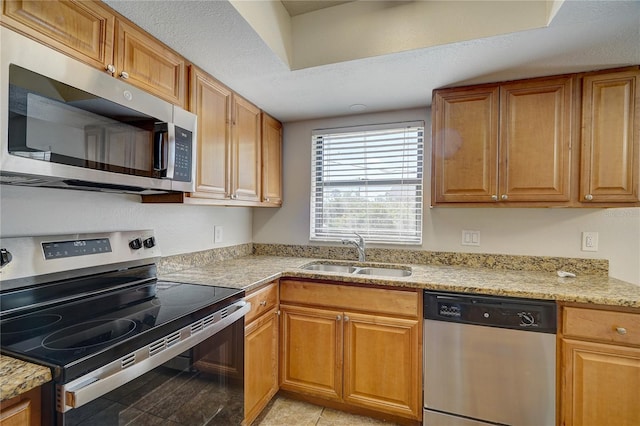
<point x="19" y="377"/>
<point x="251" y="272"/>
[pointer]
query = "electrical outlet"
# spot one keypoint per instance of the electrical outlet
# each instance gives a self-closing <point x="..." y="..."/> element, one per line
<point x="589" y="241"/>
<point x="217" y="234"/>
<point x="470" y="238"/>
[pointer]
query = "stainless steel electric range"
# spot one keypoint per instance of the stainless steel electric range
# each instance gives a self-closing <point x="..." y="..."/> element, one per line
<point x="123" y="347"/>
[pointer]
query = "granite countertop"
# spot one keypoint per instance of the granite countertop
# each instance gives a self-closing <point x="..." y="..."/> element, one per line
<point x="250" y="272"/>
<point x="253" y="271"/>
<point x="19" y="377"/>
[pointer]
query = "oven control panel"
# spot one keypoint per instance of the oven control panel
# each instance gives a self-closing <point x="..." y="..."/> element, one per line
<point x="24" y="259"/>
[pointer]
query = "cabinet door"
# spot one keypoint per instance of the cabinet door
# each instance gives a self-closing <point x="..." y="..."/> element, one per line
<point x="211" y="101"/>
<point x="245" y="151"/>
<point x="81" y="29"/>
<point x="271" y="160"/>
<point x="600" y="384"/>
<point x="611" y="138"/>
<point x="261" y="364"/>
<point x="535" y="140"/>
<point x="311" y="351"/>
<point x="465" y="145"/>
<point x="145" y="62"/>
<point x="382" y="364"/>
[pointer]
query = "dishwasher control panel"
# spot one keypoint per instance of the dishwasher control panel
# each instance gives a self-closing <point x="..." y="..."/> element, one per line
<point x="503" y="312"/>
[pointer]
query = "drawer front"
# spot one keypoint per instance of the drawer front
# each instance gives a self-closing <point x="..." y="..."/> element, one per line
<point x="351" y="298"/>
<point x="608" y="326"/>
<point x="262" y="300"/>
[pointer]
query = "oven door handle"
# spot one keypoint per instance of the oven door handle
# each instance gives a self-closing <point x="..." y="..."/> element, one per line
<point x="115" y="374"/>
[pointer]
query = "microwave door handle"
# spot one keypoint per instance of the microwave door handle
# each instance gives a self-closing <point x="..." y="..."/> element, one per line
<point x="171" y="154"/>
<point x="159" y="152"/>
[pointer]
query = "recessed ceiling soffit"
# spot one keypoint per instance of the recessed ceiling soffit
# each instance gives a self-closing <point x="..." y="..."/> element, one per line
<point x="317" y="33"/>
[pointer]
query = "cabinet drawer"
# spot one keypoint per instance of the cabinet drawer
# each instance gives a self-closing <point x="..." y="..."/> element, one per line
<point x="351" y="298"/>
<point x="262" y="300"/>
<point x="608" y="326"/>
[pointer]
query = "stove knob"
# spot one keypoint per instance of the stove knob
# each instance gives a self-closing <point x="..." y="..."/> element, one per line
<point x="136" y="244"/>
<point x="5" y="257"/>
<point x="149" y="242"/>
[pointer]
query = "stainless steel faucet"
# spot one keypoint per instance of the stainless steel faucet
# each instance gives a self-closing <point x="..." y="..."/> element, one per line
<point x="360" y="245"/>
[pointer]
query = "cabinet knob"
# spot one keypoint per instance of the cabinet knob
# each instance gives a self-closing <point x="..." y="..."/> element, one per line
<point x="621" y="331"/>
<point x="588" y="197"/>
<point x="111" y="69"/>
<point x="494" y="197"/>
<point x="278" y="312"/>
<point x="124" y="74"/>
<point x="263" y="303"/>
<point x="267" y="200"/>
<point x="504" y="197"/>
<point x="346" y="318"/>
<point x="233" y="196"/>
<point x="338" y="317"/>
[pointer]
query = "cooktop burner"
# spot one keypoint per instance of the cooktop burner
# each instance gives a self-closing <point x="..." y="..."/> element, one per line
<point x="87" y="334"/>
<point x="30" y="324"/>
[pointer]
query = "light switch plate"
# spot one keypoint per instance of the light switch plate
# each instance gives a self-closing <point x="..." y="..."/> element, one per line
<point x="470" y="238"/>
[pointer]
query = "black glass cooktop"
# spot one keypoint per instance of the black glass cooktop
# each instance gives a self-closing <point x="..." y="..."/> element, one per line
<point x="78" y="336"/>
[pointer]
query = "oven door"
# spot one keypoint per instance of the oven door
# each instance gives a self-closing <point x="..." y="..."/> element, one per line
<point x="203" y="385"/>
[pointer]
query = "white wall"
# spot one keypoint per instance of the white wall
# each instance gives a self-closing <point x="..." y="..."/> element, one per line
<point x="178" y="228"/>
<point x="537" y="232"/>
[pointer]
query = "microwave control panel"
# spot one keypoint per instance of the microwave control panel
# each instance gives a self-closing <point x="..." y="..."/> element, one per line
<point x="183" y="155"/>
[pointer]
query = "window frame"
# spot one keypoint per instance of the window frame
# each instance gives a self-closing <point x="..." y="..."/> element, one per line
<point x="407" y="235"/>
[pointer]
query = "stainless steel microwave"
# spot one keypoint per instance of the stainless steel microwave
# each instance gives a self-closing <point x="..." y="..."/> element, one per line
<point x="65" y="124"/>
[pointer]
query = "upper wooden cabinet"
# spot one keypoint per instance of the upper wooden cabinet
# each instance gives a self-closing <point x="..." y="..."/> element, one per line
<point x="93" y="33"/>
<point x="211" y="101"/>
<point x="610" y="165"/>
<point x="271" y="160"/>
<point x="504" y="143"/>
<point x="245" y="151"/>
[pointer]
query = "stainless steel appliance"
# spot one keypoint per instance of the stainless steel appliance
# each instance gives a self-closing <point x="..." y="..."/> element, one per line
<point x="64" y="124"/>
<point x="488" y="360"/>
<point x="122" y="345"/>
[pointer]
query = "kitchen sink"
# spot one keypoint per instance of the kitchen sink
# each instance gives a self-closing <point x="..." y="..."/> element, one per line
<point x="384" y="272"/>
<point x="328" y="267"/>
<point x="381" y="271"/>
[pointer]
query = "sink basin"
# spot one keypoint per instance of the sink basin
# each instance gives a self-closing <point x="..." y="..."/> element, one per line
<point x="359" y="270"/>
<point x="385" y="272"/>
<point x="327" y="267"/>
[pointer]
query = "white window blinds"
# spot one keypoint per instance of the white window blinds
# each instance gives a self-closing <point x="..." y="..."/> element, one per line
<point x="368" y="180"/>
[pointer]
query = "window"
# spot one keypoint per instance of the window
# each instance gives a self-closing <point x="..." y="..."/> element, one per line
<point x="368" y="180"/>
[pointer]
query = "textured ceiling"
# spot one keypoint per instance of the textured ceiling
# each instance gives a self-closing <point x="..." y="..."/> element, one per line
<point x="584" y="35"/>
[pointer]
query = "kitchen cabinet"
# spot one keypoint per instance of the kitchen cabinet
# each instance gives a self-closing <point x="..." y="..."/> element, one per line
<point x="503" y="143"/>
<point x="600" y="366"/>
<point x="261" y="350"/>
<point x="610" y="165"/>
<point x="211" y="101"/>
<point x="245" y="151"/>
<point x="271" y="161"/>
<point x="93" y="33"/>
<point x="239" y="160"/>
<point x="353" y="346"/>
<point x="22" y="410"/>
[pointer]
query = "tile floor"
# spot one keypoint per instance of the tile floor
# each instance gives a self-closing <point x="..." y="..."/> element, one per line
<point x="283" y="411"/>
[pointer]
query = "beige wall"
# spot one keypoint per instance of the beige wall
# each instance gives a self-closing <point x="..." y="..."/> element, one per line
<point x="541" y="232"/>
<point x="178" y="228"/>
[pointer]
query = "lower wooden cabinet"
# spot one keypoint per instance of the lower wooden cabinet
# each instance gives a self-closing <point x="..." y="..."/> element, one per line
<point x="600" y="367"/>
<point x="352" y="345"/>
<point x="261" y="351"/>
<point x="22" y="410"/>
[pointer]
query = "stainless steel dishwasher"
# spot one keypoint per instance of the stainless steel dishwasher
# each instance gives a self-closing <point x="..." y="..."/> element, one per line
<point x="488" y="360"/>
